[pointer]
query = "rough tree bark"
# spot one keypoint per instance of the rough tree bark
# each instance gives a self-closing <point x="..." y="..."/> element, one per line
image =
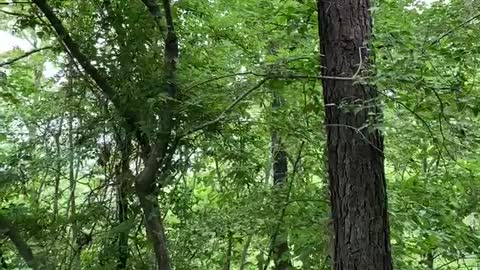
<point x="354" y="147"/>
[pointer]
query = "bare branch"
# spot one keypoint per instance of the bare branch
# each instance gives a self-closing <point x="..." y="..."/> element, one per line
<point x="13" y="13"/>
<point x="195" y="85"/>
<point x="275" y="76"/>
<point x="74" y="49"/>
<point x="15" y="2"/>
<point x="227" y="110"/>
<point x="27" y="54"/>
<point x="455" y="28"/>
<point x="130" y="116"/>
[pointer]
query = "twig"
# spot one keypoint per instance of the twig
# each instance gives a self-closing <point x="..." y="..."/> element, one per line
<point x="13" y="13"/>
<point x="455" y="28"/>
<point x="195" y="85"/>
<point x="279" y="76"/>
<point x="227" y="110"/>
<point x="450" y="262"/>
<point x="15" y="2"/>
<point x="358" y="131"/>
<point x="11" y="61"/>
<point x="424" y="122"/>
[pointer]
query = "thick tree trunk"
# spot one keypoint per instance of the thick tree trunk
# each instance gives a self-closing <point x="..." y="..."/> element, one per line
<point x="355" y="148"/>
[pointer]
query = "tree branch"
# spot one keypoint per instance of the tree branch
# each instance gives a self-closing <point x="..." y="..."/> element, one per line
<point x="74" y="49"/>
<point x="227" y="110"/>
<point x="13" y="13"/>
<point x="130" y="116"/>
<point x="22" y="247"/>
<point x="13" y="60"/>
<point x="275" y="76"/>
<point x="152" y="8"/>
<point x="455" y="28"/>
<point x="15" y="2"/>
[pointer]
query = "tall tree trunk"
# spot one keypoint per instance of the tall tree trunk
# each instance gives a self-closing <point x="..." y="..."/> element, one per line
<point x="354" y="146"/>
<point x="58" y="168"/>
<point x="75" y="264"/>
<point x="228" y="255"/>
<point x="123" y="176"/>
<point x="243" y="260"/>
<point x="280" y="170"/>
<point x="154" y="228"/>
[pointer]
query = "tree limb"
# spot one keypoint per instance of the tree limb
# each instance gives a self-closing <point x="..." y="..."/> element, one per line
<point x="22" y="247"/>
<point x="15" y="2"/>
<point x="74" y="49"/>
<point x="130" y="116"/>
<point x="13" y="60"/>
<point x="275" y="76"/>
<point x="455" y="28"/>
<point x="227" y="110"/>
<point x="13" y="13"/>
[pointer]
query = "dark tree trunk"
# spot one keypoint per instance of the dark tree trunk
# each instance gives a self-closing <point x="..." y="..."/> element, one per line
<point x="355" y="148"/>
<point x="155" y="230"/>
<point x="124" y="177"/>
<point x="123" y="236"/>
<point x="280" y="170"/>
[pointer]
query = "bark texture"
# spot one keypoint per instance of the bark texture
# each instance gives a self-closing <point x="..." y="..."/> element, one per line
<point x="355" y="150"/>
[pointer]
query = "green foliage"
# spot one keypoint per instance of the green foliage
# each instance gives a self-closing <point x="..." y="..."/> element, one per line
<point x="62" y="143"/>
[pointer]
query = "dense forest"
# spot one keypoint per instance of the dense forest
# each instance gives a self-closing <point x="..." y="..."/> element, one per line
<point x="239" y="134"/>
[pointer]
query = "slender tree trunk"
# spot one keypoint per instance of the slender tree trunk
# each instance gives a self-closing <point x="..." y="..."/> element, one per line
<point x="280" y="169"/>
<point x="73" y="207"/>
<point x="154" y="228"/>
<point x="243" y="260"/>
<point x="122" y="217"/>
<point x="58" y="172"/>
<point x="228" y="256"/>
<point x="123" y="177"/>
<point x="354" y="146"/>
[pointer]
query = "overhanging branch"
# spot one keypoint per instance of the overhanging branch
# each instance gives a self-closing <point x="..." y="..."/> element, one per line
<point x="276" y="76"/>
<point x="15" y="2"/>
<point x="27" y="54"/>
<point x="130" y="116"/>
<point x="74" y="49"/>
